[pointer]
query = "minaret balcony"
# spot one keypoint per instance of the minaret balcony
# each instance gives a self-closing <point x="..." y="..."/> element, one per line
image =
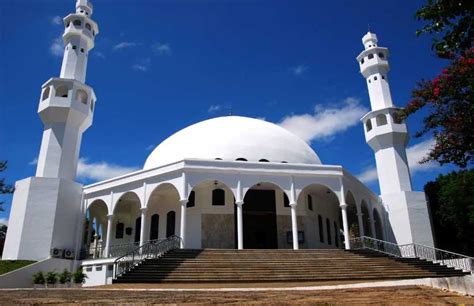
<point x="66" y="99"/>
<point x="77" y="24"/>
<point x="373" y="60"/>
<point x="383" y="128"/>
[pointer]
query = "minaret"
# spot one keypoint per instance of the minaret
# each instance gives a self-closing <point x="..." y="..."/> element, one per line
<point x="46" y="209"/>
<point x="387" y="135"/>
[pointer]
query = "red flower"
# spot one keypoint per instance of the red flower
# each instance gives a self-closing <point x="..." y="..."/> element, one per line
<point x="436" y="91"/>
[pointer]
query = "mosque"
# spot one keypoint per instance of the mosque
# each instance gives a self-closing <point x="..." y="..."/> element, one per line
<point x="229" y="182"/>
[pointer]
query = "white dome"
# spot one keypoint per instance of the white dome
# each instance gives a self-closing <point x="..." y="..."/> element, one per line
<point x="229" y="138"/>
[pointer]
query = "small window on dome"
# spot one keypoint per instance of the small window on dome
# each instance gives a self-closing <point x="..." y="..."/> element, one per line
<point x="284" y="162"/>
<point x="217" y="158"/>
<point x="241" y="159"/>
<point x="264" y="160"/>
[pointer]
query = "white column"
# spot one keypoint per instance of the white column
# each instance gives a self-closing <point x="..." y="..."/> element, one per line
<point x="361" y="224"/>
<point x="294" y="226"/>
<point x="240" y="226"/>
<point x="345" y="226"/>
<point x="89" y="230"/>
<point x="144" y="225"/>
<point x="109" y="234"/>
<point x="182" y="224"/>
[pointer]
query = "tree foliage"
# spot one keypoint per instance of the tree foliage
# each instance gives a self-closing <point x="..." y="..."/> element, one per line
<point x="451" y="200"/>
<point x="451" y="22"/>
<point x="4" y="187"/>
<point x="449" y="97"/>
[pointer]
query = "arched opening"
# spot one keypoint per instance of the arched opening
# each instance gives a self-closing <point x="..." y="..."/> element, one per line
<point x="191" y="199"/>
<point x="81" y="96"/>
<point x="212" y="223"/>
<point x="88" y="26"/>
<point x="95" y="229"/>
<point x="241" y="159"/>
<point x="125" y="223"/>
<point x="263" y="160"/>
<point x="62" y="91"/>
<point x="323" y="216"/>
<point x="163" y="200"/>
<point x="352" y="219"/>
<point x="170" y="223"/>
<point x="154" y="226"/>
<point x="378" y="225"/>
<point x="260" y="218"/>
<point x="366" y="219"/>
<point x="46" y="92"/>
<point x="77" y="23"/>
<point x="368" y="125"/>
<point x="381" y="119"/>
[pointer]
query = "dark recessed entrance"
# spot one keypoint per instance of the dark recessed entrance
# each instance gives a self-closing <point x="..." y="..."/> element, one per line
<point x="259" y="220"/>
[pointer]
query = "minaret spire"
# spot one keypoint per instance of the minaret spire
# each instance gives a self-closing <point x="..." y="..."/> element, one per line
<point x="387" y="135"/>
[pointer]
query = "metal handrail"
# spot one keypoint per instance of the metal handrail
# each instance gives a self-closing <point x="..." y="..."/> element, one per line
<point x="414" y="250"/>
<point x="149" y="250"/>
<point x="115" y="250"/>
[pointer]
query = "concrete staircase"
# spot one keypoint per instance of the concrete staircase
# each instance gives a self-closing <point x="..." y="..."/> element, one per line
<point x="236" y="266"/>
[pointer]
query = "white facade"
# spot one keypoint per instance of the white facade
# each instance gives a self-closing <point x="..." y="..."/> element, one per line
<point x="228" y="182"/>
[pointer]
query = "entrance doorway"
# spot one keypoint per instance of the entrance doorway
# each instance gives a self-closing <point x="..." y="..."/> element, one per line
<point x="259" y="220"/>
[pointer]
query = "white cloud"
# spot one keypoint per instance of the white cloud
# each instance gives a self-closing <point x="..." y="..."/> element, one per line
<point x="214" y="108"/>
<point x="415" y="153"/>
<point x="298" y="70"/>
<point x="162" y="49"/>
<point x="124" y="45"/>
<point x="56" y="20"/>
<point x="99" y="54"/>
<point x="57" y="47"/>
<point x="33" y="162"/>
<point x="100" y="170"/>
<point x="325" y="122"/>
<point x="143" y="65"/>
<point x="4" y="221"/>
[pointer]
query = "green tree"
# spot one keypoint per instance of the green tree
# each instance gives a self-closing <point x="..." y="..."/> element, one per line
<point x="449" y="97"/>
<point x="451" y="200"/>
<point x="4" y="187"/>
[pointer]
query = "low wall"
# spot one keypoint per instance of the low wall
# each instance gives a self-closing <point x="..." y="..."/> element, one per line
<point x="22" y="278"/>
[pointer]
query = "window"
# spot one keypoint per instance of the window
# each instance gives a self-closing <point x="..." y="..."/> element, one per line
<point x="381" y="119"/>
<point x="397" y="118"/>
<point x="170" y="223"/>
<point x="93" y="32"/>
<point x="328" y="230"/>
<point x="284" y="162"/>
<point x="92" y="105"/>
<point x="82" y="50"/>
<point x="375" y="78"/>
<point x="191" y="199"/>
<point x="370" y="81"/>
<point x="320" y="225"/>
<point x="138" y="227"/>
<point x="62" y="91"/>
<point x="368" y="125"/>
<point x="383" y="77"/>
<point x="263" y="160"/>
<point x="217" y="158"/>
<point x="362" y="61"/>
<point x="77" y="23"/>
<point x="371" y="56"/>
<point x="74" y="47"/>
<point x="45" y="94"/>
<point x="88" y="26"/>
<point x="241" y="159"/>
<point x="336" y="234"/>
<point x="218" y="197"/>
<point x="286" y="201"/>
<point x="154" y="226"/>
<point x="381" y="55"/>
<point x="310" y="202"/>
<point x="119" y="228"/>
<point x="81" y="96"/>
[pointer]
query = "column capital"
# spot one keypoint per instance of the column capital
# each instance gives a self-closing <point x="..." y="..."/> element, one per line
<point x="293" y="204"/>
<point x="109" y="217"/>
<point x="143" y="209"/>
<point x="239" y="203"/>
<point x="343" y="206"/>
<point x="183" y="202"/>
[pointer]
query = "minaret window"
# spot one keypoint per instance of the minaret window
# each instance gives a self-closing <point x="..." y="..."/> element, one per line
<point x="381" y="55"/>
<point x="383" y="78"/>
<point x="74" y="47"/>
<point x="92" y="105"/>
<point x="241" y="159"/>
<point x="62" y="91"/>
<point x="77" y="23"/>
<point x="81" y="96"/>
<point x="381" y="119"/>
<point x="362" y="61"/>
<point x="82" y="50"/>
<point x="375" y="78"/>
<point x="368" y="125"/>
<point x="263" y="160"/>
<point x="88" y="26"/>
<point x="45" y="94"/>
<point x="371" y="56"/>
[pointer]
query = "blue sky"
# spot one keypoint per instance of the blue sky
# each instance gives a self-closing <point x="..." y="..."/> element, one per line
<point x="159" y="66"/>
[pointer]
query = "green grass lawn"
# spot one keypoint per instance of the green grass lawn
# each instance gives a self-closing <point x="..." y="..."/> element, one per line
<point x="10" y="265"/>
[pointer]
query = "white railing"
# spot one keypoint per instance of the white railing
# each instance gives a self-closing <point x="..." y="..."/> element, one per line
<point x="413" y="250"/>
<point x="115" y="250"/>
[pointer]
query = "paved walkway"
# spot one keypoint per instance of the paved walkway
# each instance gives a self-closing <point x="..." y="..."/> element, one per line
<point x="408" y="295"/>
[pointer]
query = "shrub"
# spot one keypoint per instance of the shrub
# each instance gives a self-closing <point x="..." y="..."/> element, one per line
<point x="51" y="278"/>
<point x="79" y="277"/>
<point x="65" y="277"/>
<point x="38" y="278"/>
